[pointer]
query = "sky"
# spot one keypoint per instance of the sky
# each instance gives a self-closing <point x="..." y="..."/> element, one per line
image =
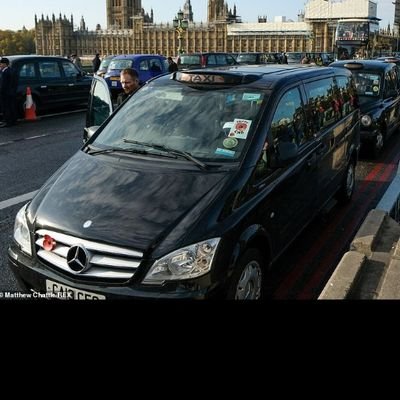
<point x="18" y="13"/>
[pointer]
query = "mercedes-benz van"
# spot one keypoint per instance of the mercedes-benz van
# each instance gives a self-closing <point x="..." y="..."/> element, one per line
<point x="193" y="187"/>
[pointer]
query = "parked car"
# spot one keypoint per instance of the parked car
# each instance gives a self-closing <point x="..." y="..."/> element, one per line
<point x="203" y="60"/>
<point x="54" y="81"/>
<point x="148" y="66"/>
<point x="196" y="195"/>
<point x="377" y="85"/>
<point x="105" y="62"/>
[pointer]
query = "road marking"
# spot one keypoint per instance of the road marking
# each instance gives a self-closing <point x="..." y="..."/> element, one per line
<point x="17" y="200"/>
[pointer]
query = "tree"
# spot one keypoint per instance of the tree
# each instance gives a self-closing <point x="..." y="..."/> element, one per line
<point x="20" y="42"/>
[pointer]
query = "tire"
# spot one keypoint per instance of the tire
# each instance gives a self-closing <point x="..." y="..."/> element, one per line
<point x="378" y="144"/>
<point x="346" y="190"/>
<point x="246" y="282"/>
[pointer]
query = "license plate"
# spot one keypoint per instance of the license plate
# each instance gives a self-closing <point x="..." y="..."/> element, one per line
<point x="70" y="293"/>
<point x="115" y="84"/>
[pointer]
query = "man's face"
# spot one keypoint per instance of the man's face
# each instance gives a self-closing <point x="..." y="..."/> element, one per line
<point x="2" y="65"/>
<point x="128" y="83"/>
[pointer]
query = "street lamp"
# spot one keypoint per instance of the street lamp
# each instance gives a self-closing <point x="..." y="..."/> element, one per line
<point x="180" y="25"/>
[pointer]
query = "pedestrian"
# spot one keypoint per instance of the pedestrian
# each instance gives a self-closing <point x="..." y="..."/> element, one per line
<point x="96" y="63"/>
<point x="129" y="78"/>
<point x="305" y="60"/>
<point x="77" y="61"/>
<point x="173" y="66"/>
<point x="8" y="94"/>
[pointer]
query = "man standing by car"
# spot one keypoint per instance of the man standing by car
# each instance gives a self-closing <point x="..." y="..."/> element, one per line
<point x="173" y="66"/>
<point x="77" y="61"/>
<point x="96" y="63"/>
<point x="130" y="83"/>
<point x="8" y="94"/>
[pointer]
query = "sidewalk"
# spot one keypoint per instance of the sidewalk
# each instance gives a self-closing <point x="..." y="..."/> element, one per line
<point x="371" y="269"/>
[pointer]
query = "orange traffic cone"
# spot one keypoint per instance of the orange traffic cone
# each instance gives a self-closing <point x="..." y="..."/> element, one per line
<point x="30" y="107"/>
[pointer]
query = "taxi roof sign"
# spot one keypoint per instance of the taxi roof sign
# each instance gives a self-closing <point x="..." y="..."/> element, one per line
<point x="208" y="78"/>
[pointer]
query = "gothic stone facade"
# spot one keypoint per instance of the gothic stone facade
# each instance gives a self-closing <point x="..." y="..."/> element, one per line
<point x="131" y="31"/>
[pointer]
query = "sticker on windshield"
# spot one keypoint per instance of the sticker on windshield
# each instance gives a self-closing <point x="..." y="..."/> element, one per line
<point x="375" y="89"/>
<point x="224" y="152"/>
<point x="240" y="129"/>
<point x="251" y="96"/>
<point x="231" y="143"/>
<point x="228" y="125"/>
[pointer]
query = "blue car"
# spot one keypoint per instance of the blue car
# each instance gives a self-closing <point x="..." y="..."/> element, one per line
<point x="148" y="66"/>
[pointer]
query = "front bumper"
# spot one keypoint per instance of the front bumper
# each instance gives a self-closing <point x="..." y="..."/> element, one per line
<point x="32" y="275"/>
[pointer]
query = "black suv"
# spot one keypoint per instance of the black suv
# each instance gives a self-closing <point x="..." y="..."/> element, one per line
<point x="377" y="86"/>
<point x="54" y="81"/>
<point x="193" y="187"/>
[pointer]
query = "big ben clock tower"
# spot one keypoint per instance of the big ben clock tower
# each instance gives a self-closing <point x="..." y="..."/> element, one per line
<point x="120" y="13"/>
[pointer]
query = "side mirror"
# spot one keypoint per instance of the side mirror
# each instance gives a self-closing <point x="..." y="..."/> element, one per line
<point x="89" y="132"/>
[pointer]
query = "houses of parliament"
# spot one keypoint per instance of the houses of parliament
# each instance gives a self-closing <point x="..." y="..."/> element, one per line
<point x="130" y="29"/>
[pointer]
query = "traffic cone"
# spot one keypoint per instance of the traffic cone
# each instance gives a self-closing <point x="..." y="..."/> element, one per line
<point x="30" y="107"/>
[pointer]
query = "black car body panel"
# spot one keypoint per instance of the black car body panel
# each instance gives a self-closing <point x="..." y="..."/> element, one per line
<point x="132" y="179"/>
<point x="221" y="174"/>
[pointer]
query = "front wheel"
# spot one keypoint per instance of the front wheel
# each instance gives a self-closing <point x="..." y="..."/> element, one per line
<point x="346" y="190"/>
<point x="246" y="281"/>
<point x="378" y="144"/>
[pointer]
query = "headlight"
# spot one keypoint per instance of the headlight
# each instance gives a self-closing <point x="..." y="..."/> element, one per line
<point x="186" y="263"/>
<point x="366" y="121"/>
<point x="21" y="231"/>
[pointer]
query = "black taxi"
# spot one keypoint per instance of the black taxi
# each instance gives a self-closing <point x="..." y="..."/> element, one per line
<point x="377" y="84"/>
<point x="193" y="187"/>
<point x="55" y="82"/>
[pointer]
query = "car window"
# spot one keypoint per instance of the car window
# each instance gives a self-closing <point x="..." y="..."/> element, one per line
<point x="189" y="60"/>
<point x="390" y="84"/>
<point x="214" y="125"/>
<point x="70" y="70"/>
<point x="288" y="122"/>
<point x="120" y="64"/>
<point x="221" y="59"/>
<point x="101" y="109"/>
<point x="155" y="65"/>
<point x="49" y="69"/>
<point x="144" y="65"/>
<point x="211" y="59"/>
<point x="368" y="84"/>
<point x="27" y="70"/>
<point x="247" y="58"/>
<point x="345" y="97"/>
<point x="320" y="108"/>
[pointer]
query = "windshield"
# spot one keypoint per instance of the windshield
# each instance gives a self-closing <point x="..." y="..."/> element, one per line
<point x="368" y="84"/>
<point x="209" y="124"/>
<point x="105" y="63"/>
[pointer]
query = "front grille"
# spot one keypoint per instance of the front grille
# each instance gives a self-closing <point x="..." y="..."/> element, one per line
<point x="105" y="262"/>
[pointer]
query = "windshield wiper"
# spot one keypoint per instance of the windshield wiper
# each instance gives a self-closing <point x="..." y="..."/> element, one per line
<point x="114" y="150"/>
<point x="168" y="150"/>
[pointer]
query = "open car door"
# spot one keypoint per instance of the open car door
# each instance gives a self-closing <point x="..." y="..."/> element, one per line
<point x="100" y="106"/>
